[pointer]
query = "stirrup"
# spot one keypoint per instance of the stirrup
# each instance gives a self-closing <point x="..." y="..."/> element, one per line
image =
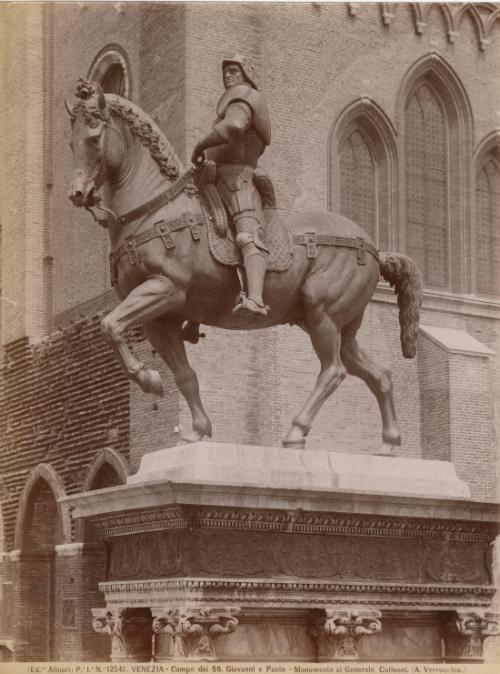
<point x="249" y="307"/>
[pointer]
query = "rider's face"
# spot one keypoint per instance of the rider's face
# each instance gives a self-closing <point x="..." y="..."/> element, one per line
<point x="232" y="75"/>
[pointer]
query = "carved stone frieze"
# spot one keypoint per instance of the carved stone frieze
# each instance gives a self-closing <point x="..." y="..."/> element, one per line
<point x="173" y="517"/>
<point x="130" y="631"/>
<point x="118" y="524"/>
<point x="216" y="552"/>
<point x="192" y="632"/>
<point x="464" y="634"/>
<point x="339" y="632"/>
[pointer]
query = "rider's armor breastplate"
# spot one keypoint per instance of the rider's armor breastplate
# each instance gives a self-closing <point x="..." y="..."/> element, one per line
<point x="246" y="150"/>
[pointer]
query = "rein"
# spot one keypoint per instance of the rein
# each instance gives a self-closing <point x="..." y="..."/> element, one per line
<point x="181" y="184"/>
<point x="98" y="178"/>
<point x="161" y="199"/>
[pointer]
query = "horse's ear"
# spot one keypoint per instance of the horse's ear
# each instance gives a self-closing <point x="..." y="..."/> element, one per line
<point x="68" y="108"/>
<point x="100" y="97"/>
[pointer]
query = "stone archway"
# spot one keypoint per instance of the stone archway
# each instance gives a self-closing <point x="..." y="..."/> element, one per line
<point x="109" y="469"/>
<point x="41" y="526"/>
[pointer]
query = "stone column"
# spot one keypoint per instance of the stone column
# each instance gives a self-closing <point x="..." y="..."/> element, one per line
<point x="130" y="631"/>
<point x="339" y="632"/>
<point x="184" y="633"/>
<point x="464" y="635"/>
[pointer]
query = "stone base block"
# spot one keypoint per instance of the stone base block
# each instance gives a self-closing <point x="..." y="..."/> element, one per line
<point x="230" y="464"/>
<point x="243" y="552"/>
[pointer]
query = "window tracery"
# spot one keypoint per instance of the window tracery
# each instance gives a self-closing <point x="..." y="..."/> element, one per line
<point x="358" y="183"/>
<point x="487" y="233"/>
<point x="427" y="185"/>
<point x="362" y="156"/>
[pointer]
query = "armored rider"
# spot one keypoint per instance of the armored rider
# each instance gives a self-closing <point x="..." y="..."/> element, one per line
<point x="239" y="136"/>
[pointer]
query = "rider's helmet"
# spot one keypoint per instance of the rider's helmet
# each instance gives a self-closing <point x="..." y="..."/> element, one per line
<point x="246" y="66"/>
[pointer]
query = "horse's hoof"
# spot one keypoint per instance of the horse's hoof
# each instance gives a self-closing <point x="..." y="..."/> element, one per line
<point x="150" y="382"/>
<point x="385" y="449"/>
<point x="294" y="444"/>
<point x="188" y="438"/>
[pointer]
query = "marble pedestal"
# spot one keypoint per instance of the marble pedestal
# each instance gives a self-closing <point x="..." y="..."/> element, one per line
<point x="248" y="553"/>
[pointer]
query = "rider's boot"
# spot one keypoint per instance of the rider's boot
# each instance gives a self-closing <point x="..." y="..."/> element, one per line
<point x="255" y="269"/>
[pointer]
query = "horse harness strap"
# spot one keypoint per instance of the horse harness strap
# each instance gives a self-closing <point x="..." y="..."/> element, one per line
<point x="161" y="230"/>
<point x="311" y="240"/>
<point x="159" y="200"/>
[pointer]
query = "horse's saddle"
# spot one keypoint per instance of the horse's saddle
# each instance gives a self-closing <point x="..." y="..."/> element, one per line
<point x="221" y="238"/>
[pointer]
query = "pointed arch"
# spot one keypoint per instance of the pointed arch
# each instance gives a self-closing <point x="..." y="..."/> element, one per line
<point x="108" y="469"/>
<point x="455" y="134"/>
<point x="42" y="474"/>
<point x="489" y="144"/>
<point x="471" y="10"/>
<point x="445" y="10"/>
<point x="486" y="212"/>
<point x="366" y="120"/>
<point x="494" y="16"/>
<point x="106" y="457"/>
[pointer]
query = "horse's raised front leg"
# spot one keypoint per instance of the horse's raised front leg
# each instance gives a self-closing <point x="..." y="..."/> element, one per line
<point x="378" y="380"/>
<point x="325" y="338"/>
<point x="155" y="297"/>
<point x="167" y="339"/>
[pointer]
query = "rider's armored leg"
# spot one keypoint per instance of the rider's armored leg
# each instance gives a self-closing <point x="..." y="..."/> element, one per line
<point x="255" y="268"/>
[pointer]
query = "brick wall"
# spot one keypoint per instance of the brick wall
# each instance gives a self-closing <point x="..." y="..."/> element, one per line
<point x="79" y="246"/>
<point x="434" y="375"/>
<point x="65" y="399"/>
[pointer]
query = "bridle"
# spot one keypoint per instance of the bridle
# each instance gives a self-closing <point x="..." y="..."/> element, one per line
<point x="97" y="178"/>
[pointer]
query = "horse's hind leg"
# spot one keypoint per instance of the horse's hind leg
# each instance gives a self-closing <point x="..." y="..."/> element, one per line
<point x="325" y="338"/>
<point x="166" y="338"/>
<point x="379" y="381"/>
<point x="153" y="298"/>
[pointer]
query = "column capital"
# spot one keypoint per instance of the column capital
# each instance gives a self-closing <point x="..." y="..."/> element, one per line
<point x="130" y="632"/>
<point x="464" y="634"/>
<point x="339" y="631"/>
<point x="193" y="631"/>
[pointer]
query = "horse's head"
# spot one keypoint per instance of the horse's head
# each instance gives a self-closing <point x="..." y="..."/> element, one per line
<point x="92" y="154"/>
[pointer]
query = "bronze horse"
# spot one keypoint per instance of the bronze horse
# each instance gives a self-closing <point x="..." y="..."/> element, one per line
<point x="164" y="280"/>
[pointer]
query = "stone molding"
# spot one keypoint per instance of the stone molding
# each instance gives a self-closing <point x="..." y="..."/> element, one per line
<point x="69" y="549"/>
<point x="130" y="634"/>
<point x="193" y="631"/>
<point x="464" y="634"/>
<point x="177" y="517"/>
<point x="110" y="55"/>
<point x="455" y="341"/>
<point x="78" y="548"/>
<point x="339" y="632"/>
<point x="280" y="595"/>
<point x="108" y="456"/>
<point x="47" y="473"/>
<point x="139" y="521"/>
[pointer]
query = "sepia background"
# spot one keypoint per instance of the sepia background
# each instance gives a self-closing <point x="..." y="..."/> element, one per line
<point x="386" y="113"/>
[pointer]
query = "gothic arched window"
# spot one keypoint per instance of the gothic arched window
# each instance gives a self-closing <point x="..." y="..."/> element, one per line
<point x="358" y="183"/>
<point x="487" y="231"/>
<point x="427" y="217"/>
<point x="363" y="166"/>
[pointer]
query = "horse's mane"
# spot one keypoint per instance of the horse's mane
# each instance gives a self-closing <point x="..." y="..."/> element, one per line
<point x="149" y="133"/>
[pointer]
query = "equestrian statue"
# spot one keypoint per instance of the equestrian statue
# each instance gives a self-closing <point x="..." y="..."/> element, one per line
<point x="209" y="246"/>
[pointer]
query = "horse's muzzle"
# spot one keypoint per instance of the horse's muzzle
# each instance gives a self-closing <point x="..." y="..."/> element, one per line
<point x="82" y="197"/>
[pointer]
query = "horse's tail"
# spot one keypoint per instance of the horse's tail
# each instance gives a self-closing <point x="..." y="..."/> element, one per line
<point x="405" y="277"/>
